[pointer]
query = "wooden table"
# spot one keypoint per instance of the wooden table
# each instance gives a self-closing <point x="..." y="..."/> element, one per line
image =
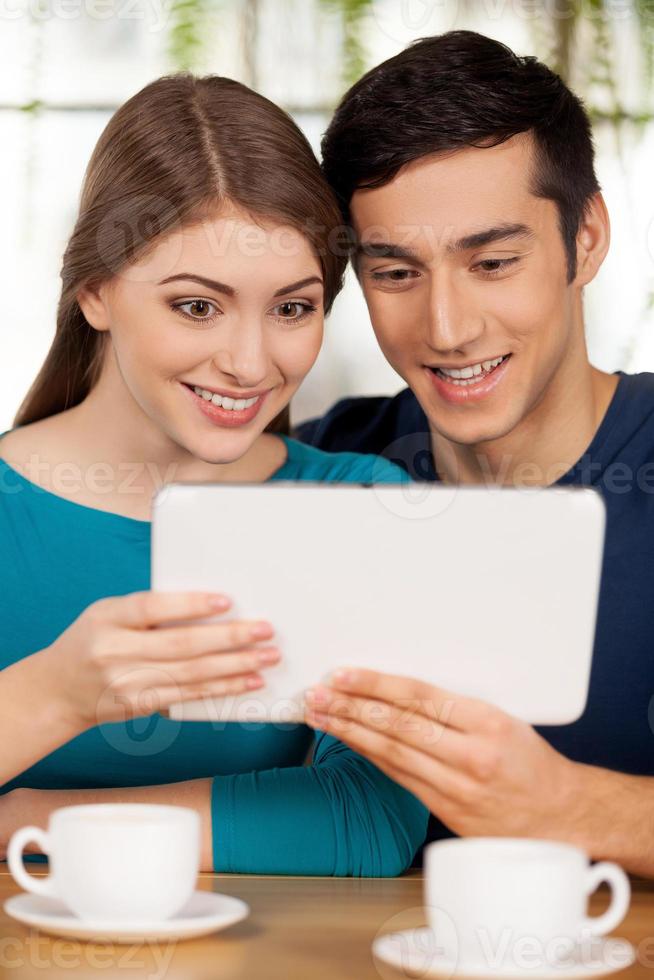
<point x="299" y="929"/>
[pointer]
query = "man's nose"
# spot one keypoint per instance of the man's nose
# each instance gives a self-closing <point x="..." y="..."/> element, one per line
<point x="454" y="321"/>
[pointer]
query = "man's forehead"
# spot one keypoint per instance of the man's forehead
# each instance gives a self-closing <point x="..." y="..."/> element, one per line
<point x="454" y="188"/>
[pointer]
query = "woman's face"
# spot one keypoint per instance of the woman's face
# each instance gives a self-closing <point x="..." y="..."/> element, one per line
<point x="214" y="330"/>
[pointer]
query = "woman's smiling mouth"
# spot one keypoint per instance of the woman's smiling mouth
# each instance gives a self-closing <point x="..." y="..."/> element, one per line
<point x="225" y="409"/>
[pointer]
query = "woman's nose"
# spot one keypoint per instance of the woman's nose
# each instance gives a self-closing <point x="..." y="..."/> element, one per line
<point x="242" y="355"/>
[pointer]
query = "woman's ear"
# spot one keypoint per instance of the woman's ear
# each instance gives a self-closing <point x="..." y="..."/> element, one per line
<point x="93" y="304"/>
<point x="593" y="239"/>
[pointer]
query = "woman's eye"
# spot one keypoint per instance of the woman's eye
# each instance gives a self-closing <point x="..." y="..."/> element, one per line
<point x="198" y="309"/>
<point x="293" y="310"/>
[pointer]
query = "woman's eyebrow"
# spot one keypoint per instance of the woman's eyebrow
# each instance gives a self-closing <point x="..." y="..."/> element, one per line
<point x="300" y="284"/>
<point x="221" y="287"/>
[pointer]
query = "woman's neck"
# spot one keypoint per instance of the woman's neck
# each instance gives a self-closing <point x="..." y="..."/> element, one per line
<point x="115" y="457"/>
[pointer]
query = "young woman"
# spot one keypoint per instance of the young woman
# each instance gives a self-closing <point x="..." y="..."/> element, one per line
<point x="194" y="289"/>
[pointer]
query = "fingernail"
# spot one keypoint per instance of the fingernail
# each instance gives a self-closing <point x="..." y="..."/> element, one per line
<point x="254" y="682"/>
<point x="262" y="631"/>
<point x="343" y="677"/>
<point x="268" y="656"/>
<point x="219" y="602"/>
<point x="316" y="720"/>
<point x="315" y="695"/>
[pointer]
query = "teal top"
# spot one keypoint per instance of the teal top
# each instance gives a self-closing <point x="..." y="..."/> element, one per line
<point x="271" y="813"/>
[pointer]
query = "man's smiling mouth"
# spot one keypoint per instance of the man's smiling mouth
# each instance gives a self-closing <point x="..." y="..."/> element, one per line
<point x="469" y="374"/>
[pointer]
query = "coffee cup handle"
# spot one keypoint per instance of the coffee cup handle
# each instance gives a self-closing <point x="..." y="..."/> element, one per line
<point x="614" y="876"/>
<point x="26" y="835"/>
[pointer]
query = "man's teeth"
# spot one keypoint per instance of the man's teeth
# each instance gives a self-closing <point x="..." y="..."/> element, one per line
<point x="232" y="404"/>
<point x="463" y="376"/>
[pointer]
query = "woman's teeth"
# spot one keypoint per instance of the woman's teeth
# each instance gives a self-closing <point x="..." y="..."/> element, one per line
<point x="222" y="401"/>
<point x="470" y="375"/>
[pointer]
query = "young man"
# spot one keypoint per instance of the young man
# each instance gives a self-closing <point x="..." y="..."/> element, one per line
<point x="467" y="176"/>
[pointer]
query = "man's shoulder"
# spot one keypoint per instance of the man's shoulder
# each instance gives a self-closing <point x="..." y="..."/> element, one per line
<point x="367" y="424"/>
<point x="393" y="426"/>
<point x="306" y="462"/>
<point x="641" y="385"/>
<point x="631" y="414"/>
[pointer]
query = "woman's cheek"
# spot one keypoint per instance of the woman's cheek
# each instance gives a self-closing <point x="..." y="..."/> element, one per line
<point x="296" y="353"/>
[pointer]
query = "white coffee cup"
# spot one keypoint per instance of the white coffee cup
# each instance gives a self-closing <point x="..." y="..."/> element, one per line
<point x="512" y="903"/>
<point x="115" y="862"/>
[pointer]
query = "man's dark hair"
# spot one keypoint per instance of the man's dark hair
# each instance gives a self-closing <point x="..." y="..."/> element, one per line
<point x="457" y="90"/>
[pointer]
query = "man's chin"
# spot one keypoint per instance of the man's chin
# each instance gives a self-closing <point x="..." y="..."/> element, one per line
<point x="470" y="432"/>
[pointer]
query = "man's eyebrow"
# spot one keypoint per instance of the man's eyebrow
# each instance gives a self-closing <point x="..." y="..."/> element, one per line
<point x="221" y="287"/>
<point x="477" y="239"/>
<point x="386" y="250"/>
<point x="488" y="236"/>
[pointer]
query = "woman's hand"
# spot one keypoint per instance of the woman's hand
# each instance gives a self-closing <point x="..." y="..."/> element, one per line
<point x="112" y="664"/>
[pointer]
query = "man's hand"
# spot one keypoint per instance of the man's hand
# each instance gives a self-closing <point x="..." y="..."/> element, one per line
<point x="479" y="770"/>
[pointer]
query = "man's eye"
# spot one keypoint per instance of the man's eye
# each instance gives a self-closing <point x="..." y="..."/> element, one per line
<point x="491" y="266"/>
<point x="199" y="309"/>
<point x="395" y="275"/>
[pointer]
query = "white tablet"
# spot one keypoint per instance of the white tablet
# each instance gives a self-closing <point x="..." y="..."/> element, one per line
<point x="490" y="592"/>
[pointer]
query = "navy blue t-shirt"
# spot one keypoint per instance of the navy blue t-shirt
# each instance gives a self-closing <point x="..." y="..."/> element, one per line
<point x="616" y="730"/>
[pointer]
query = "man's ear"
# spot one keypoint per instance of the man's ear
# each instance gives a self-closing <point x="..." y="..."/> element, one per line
<point x="93" y="304"/>
<point x="593" y="239"/>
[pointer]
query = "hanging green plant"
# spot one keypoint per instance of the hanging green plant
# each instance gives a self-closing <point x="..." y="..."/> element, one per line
<point x="558" y="33"/>
<point x="33" y="107"/>
<point x="645" y="14"/>
<point x="581" y="35"/>
<point x="353" y="14"/>
<point x="187" y="32"/>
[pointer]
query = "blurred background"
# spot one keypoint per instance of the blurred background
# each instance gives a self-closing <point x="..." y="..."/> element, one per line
<point x="66" y="65"/>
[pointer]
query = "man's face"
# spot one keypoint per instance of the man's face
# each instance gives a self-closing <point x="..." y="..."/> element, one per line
<point x="464" y="272"/>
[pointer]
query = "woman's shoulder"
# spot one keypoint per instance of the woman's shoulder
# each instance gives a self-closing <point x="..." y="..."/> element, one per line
<point x="305" y="462"/>
<point x="25" y="443"/>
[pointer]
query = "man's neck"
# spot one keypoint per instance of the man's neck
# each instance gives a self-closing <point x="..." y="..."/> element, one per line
<point x="545" y="444"/>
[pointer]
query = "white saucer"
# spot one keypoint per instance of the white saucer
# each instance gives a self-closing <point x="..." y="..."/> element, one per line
<point x="415" y="952"/>
<point x="204" y="912"/>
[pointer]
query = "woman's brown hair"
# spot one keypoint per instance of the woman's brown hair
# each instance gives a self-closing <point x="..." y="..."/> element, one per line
<point x="168" y="158"/>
